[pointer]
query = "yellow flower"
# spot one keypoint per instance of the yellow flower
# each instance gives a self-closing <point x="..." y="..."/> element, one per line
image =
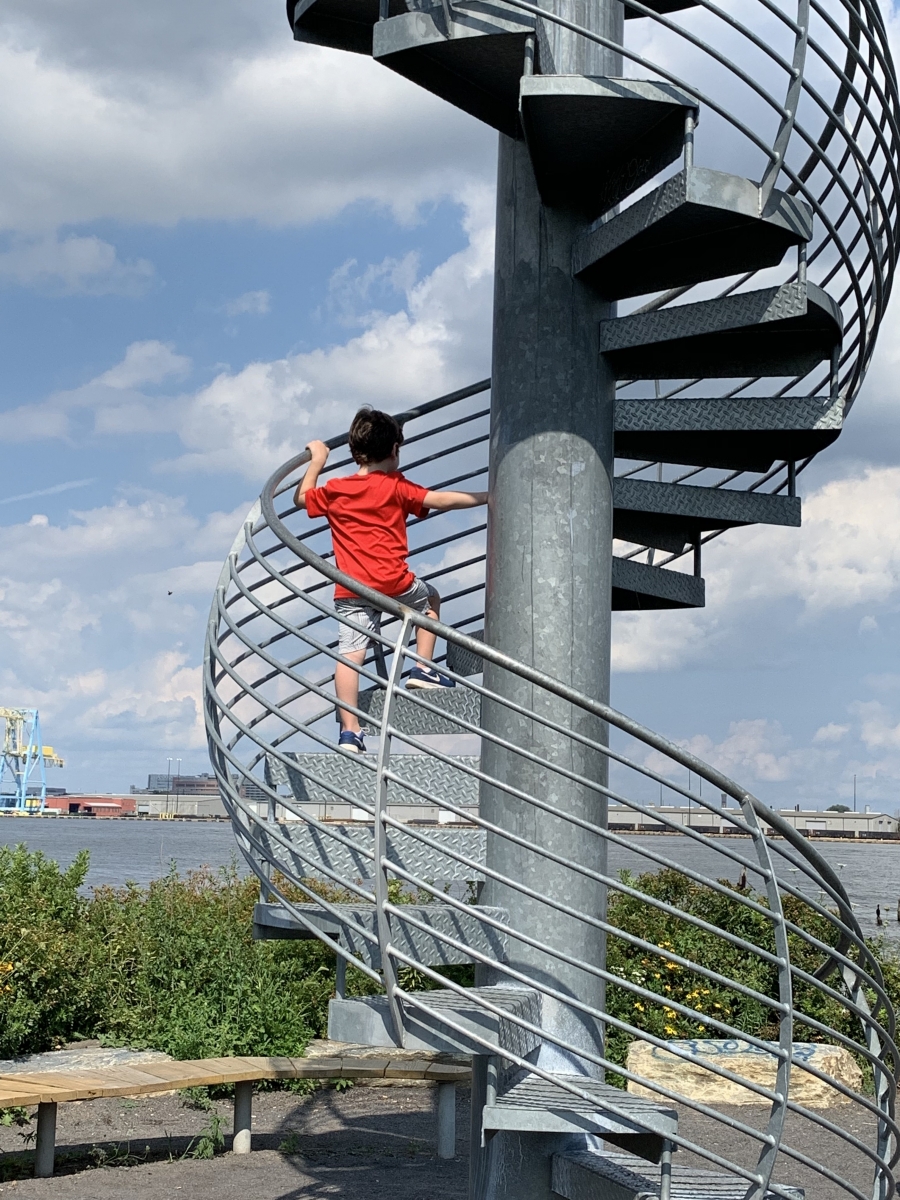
<point x="6" y="967"/>
<point x="671" y="966"/>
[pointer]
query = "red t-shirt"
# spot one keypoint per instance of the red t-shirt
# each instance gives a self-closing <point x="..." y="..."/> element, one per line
<point x="367" y="515"/>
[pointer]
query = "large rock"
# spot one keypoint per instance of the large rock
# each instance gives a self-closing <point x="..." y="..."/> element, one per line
<point x="692" y="1079"/>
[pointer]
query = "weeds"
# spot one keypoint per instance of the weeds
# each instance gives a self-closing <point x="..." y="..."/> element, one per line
<point x="10" y="1117"/>
<point x="211" y="1140"/>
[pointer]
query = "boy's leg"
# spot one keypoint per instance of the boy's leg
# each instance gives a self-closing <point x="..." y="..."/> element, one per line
<point x="346" y="688"/>
<point x="352" y="645"/>
<point x="425" y="639"/>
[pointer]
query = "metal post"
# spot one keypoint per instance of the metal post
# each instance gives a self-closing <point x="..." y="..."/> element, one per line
<point x="340" y="977"/>
<point x="243" y="1116"/>
<point x="549" y="583"/>
<point x="446" y="1120"/>
<point x="45" y="1144"/>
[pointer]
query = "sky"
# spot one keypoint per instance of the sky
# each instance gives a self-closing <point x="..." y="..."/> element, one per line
<point x="214" y="245"/>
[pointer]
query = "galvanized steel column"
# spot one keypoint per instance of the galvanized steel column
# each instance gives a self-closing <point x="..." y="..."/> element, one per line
<point x="548" y="583"/>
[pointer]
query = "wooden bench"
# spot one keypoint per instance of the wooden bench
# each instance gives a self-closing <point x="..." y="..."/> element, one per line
<point x="47" y="1089"/>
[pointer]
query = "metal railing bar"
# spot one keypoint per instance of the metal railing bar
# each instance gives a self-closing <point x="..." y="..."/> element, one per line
<point x="597" y="877"/>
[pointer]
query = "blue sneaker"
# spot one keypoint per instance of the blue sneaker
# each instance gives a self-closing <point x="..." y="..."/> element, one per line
<point x="428" y="677"/>
<point x="352" y="742"/>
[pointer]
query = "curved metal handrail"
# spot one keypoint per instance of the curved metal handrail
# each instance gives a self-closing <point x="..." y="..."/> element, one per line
<point x="270" y="655"/>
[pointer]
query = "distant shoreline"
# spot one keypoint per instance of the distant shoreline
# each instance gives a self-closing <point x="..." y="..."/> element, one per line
<point x="886" y="839"/>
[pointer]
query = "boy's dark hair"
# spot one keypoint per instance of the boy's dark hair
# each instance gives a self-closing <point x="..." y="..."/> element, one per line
<point x="373" y="436"/>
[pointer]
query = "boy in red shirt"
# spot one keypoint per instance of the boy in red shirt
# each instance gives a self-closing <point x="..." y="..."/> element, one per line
<point x="367" y="514"/>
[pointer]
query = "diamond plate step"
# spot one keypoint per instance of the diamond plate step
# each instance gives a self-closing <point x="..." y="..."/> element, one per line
<point x="366" y="1020"/>
<point x="593" y="141"/>
<point x="671" y="516"/>
<point x="274" y="921"/>
<point x="698" y="225"/>
<point x="783" y="330"/>
<point x="347" y="851"/>
<point x="349" y="25"/>
<point x="340" y="24"/>
<point x="475" y="62"/>
<point x="592" y="1175"/>
<point x="354" y="776"/>
<point x="660" y="6"/>
<point x="747" y="433"/>
<point x="531" y="1104"/>
<point x="636" y="586"/>
<point x="410" y="715"/>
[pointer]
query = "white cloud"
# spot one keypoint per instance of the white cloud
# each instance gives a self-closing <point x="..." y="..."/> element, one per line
<point x="257" y="303"/>
<point x="847" y="553"/>
<point x="73" y="265"/>
<point x="256" y="127"/>
<point x="89" y="632"/>
<point x="145" y="362"/>
<point x="878" y="730"/>
<point x="251" y="420"/>
<point x="831" y="732"/>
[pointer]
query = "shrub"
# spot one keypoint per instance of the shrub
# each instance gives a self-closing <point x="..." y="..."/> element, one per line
<point x="46" y="993"/>
<point x="672" y="982"/>
<point x="172" y="966"/>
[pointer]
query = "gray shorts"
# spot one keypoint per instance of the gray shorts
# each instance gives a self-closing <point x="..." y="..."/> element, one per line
<point x="419" y="597"/>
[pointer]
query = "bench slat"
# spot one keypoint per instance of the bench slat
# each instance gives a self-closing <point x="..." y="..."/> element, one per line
<point x="28" y="1088"/>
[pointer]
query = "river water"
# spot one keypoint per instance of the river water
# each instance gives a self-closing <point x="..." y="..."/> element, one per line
<point x="140" y="851"/>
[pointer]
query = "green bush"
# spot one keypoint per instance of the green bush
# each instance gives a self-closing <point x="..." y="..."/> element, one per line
<point x="173" y="966"/>
<point x="672" y="982"/>
<point x="46" y="992"/>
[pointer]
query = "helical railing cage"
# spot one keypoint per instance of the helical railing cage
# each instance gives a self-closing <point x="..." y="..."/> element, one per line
<point x="734" y="936"/>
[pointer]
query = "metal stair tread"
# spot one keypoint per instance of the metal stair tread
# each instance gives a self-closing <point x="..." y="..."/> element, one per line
<point x="474" y="63"/>
<point x="353" y="774"/>
<point x="735" y="433"/>
<point x="582" y="133"/>
<point x="637" y="587"/>
<point x="274" y="921"/>
<point x="346" y="851"/>
<point x="659" y="6"/>
<point x="575" y="1174"/>
<point x="698" y="225"/>
<point x="339" y="24"/>
<point x="670" y="516"/>
<point x="366" y="1020"/>
<point x="410" y="716"/>
<point x="784" y="330"/>
<point x="531" y="1102"/>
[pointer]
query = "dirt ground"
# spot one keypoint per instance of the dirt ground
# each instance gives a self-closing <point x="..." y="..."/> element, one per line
<point x="365" y="1143"/>
<point x="370" y="1143"/>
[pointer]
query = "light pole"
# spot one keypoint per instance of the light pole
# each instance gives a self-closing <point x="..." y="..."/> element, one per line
<point x="178" y="779"/>
<point x="168" y="782"/>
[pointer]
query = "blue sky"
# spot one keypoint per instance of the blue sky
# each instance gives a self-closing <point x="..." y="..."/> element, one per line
<point x="215" y="244"/>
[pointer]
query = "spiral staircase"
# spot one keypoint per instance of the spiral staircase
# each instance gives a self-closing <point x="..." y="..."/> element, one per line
<point x="475" y="901"/>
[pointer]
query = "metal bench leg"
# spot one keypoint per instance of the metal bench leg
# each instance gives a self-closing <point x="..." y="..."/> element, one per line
<point x="243" y="1114"/>
<point x="665" y="1168"/>
<point x="446" y="1120"/>
<point x="45" y="1146"/>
